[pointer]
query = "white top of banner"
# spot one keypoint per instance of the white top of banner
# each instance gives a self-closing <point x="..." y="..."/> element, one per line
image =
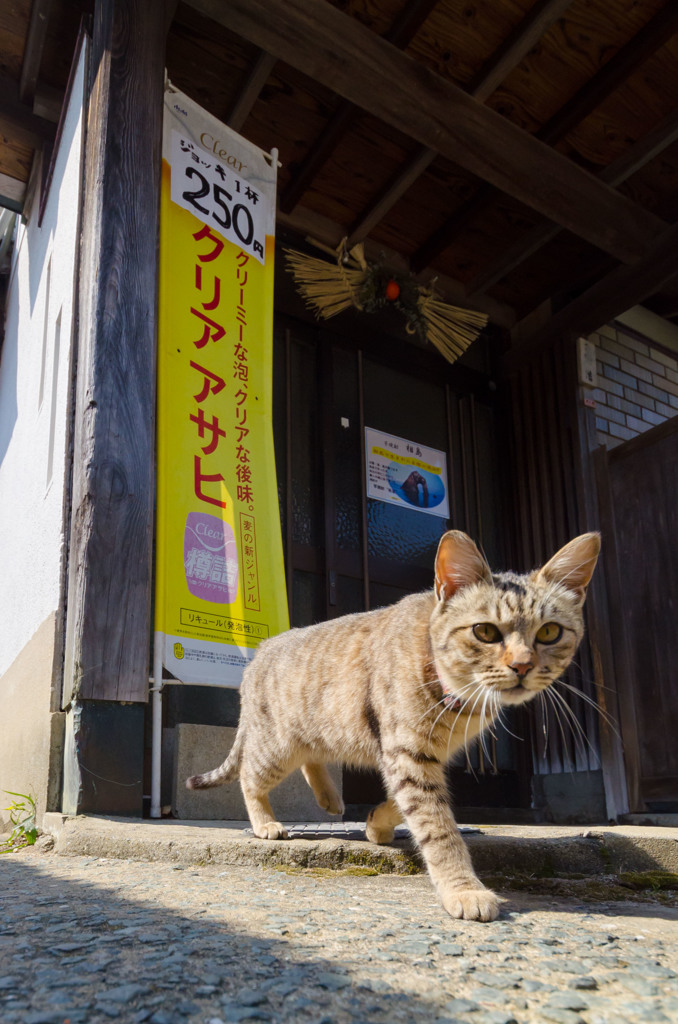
<point x="219" y="176"/>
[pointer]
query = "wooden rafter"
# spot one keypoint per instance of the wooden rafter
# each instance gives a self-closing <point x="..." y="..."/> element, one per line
<point x="249" y="93"/>
<point x="622" y="288"/>
<point x="403" y="30"/>
<point x="507" y="57"/>
<point x="339" y="52"/>
<point x="639" y="154"/>
<point x="35" y="43"/>
<point x="630" y="57"/>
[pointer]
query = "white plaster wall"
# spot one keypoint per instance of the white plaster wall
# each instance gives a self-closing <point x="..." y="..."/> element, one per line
<point x="32" y="529"/>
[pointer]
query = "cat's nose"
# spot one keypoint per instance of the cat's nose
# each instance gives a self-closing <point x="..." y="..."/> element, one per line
<point x="521" y="668"/>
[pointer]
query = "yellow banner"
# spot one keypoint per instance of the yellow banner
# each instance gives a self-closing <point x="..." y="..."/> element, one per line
<point x="220" y="585"/>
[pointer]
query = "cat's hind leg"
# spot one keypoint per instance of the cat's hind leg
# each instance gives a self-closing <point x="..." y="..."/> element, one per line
<point x="381" y="822"/>
<point x="326" y="793"/>
<point x="256" y="784"/>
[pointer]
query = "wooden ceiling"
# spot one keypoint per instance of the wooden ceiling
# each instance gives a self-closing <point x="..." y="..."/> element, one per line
<point x="520" y="151"/>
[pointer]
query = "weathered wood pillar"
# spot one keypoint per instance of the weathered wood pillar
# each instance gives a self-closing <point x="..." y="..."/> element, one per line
<point x="110" y="558"/>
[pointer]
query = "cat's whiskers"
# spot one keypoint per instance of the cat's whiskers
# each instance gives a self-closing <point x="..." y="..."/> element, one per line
<point x="574" y="663"/>
<point x="502" y="721"/>
<point x="544" y="719"/>
<point x="559" y="703"/>
<point x="485" y="726"/>
<point x="468" y="720"/>
<point x="592" y="703"/>
<point x="459" y="694"/>
<point x="460" y="712"/>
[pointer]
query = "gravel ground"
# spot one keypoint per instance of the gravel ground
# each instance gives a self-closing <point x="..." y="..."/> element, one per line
<point x="94" y="940"/>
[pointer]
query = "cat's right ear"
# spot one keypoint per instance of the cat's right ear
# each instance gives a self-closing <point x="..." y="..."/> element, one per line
<point x="458" y="565"/>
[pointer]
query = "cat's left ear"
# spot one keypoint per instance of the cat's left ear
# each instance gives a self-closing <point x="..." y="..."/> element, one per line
<point x="573" y="565"/>
<point x="458" y="564"/>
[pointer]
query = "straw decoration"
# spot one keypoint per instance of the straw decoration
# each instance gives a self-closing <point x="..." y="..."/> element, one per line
<point x="450" y="328"/>
<point x="327" y="288"/>
<point x="330" y="288"/>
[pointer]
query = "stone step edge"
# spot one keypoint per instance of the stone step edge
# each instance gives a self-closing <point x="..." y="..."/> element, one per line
<point x="593" y="853"/>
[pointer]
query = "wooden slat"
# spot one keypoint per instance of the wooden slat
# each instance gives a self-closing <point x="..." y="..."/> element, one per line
<point x="18" y="120"/>
<point x="338" y="51"/>
<point x="389" y="196"/>
<point x="12" y="192"/>
<point x="624" y="287"/>
<point x="250" y="92"/>
<point x="650" y="38"/>
<point x="108" y="618"/>
<point x="628" y="59"/>
<point x="536" y="22"/>
<point x="509" y="55"/>
<point x="35" y="43"/>
<point x="401" y="33"/>
<point x="639" y="154"/>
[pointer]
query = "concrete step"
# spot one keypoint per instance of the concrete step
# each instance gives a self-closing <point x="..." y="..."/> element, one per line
<point x="539" y="851"/>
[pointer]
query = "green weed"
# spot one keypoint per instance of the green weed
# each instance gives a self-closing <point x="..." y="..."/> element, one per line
<point x="22" y="812"/>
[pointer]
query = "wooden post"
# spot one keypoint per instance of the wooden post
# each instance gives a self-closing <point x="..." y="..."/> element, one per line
<point x="108" y="615"/>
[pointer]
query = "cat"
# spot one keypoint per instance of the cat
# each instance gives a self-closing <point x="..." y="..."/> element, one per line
<point x="404" y="688"/>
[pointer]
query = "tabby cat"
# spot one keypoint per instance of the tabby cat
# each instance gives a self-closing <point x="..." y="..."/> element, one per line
<point x="404" y="688"/>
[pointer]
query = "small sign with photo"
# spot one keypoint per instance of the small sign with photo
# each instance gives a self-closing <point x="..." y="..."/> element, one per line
<point x="405" y="473"/>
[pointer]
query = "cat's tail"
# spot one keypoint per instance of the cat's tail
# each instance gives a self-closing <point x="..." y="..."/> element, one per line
<point x="226" y="772"/>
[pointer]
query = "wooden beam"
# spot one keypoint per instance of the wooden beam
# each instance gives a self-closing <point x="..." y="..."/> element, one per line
<point x="108" y="609"/>
<point x="18" y="121"/>
<point x="624" y="287"/>
<point x="327" y="234"/>
<point x="631" y="56"/>
<point x="403" y="30"/>
<point x="339" y="52"/>
<point x="636" y="156"/>
<point x="35" y="43"/>
<point x="249" y="93"/>
<point x="495" y="70"/>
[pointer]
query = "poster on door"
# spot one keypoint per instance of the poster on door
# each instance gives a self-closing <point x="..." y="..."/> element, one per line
<point x="220" y="582"/>
<point x="405" y="473"/>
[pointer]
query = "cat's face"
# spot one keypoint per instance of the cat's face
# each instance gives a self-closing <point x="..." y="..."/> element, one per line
<point x="500" y="640"/>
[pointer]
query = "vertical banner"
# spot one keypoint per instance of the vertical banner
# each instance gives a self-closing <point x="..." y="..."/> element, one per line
<point x="220" y="584"/>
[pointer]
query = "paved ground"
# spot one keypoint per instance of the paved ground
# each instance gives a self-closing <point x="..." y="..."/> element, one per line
<point x="88" y="940"/>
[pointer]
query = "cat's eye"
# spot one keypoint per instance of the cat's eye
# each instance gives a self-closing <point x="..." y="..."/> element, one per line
<point x="487" y="632"/>
<point x="549" y="633"/>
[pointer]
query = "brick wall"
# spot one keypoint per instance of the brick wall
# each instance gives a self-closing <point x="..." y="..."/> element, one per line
<point x="637" y="385"/>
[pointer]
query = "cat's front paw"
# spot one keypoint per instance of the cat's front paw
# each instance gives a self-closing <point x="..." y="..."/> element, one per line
<point x="471" y="904"/>
<point x="271" y="830"/>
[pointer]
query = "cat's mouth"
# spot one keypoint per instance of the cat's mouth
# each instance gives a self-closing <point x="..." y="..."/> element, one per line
<point x="451" y="701"/>
<point x="516" y="694"/>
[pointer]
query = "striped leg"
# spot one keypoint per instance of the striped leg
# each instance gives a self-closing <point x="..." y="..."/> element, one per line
<point x="257" y="779"/>
<point x="417" y="782"/>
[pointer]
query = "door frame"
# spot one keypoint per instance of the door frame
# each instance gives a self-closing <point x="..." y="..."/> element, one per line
<point x="622" y="679"/>
<point x="463" y="388"/>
